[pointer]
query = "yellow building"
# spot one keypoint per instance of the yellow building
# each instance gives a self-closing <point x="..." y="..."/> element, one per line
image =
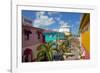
<point x="85" y="33"/>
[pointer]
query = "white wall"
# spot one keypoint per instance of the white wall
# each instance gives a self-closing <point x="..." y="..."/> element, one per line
<point x="5" y="34"/>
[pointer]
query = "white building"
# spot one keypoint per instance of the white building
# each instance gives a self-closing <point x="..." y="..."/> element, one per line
<point x="65" y="28"/>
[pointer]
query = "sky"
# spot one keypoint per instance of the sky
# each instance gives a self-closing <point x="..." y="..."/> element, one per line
<point x="53" y="20"/>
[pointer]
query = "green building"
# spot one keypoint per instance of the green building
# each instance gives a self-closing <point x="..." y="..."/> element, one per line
<point x="53" y="36"/>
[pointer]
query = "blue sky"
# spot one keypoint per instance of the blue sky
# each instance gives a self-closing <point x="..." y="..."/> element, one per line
<point x="53" y="20"/>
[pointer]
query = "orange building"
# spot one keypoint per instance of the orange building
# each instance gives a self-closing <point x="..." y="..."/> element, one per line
<point x="85" y="35"/>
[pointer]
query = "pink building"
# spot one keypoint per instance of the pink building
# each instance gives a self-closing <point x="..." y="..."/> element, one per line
<point x="31" y="38"/>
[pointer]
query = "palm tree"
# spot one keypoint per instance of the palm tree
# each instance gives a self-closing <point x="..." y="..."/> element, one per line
<point x="44" y="52"/>
<point x="64" y="46"/>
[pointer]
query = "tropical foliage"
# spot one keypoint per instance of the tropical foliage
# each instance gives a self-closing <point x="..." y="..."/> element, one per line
<point x="53" y="50"/>
<point x="45" y="52"/>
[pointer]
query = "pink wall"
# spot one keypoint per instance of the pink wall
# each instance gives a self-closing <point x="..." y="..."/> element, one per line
<point x="33" y="38"/>
<point x="33" y="41"/>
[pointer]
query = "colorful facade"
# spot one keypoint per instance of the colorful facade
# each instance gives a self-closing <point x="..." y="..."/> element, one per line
<point x="31" y="37"/>
<point x="85" y="34"/>
<point x="53" y="36"/>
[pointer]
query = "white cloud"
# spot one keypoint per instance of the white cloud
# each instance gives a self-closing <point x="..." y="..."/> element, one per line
<point x="61" y="22"/>
<point x="42" y="20"/>
<point x="57" y="18"/>
<point x="64" y="23"/>
<point x="38" y="14"/>
<point x="55" y="29"/>
<point x="52" y="13"/>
